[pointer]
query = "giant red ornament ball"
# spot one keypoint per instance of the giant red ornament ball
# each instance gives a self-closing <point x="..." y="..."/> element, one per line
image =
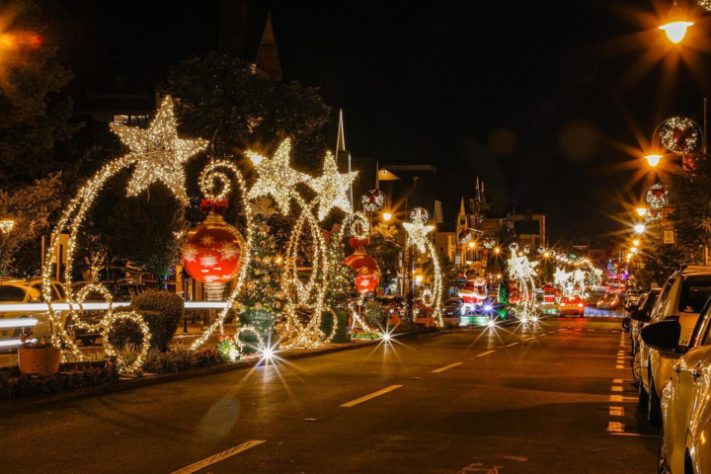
<point x="367" y="271"/>
<point x="213" y="251"/>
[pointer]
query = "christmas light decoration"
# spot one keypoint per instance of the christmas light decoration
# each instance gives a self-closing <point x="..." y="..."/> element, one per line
<point x="276" y="178"/>
<point x="417" y="230"/>
<point x="522" y="270"/>
<point x="373" y="200"/>
<point x="680" y="135"/>
<point x="332" y="188"/>
<point x="705" y="4"/>
<point x="417" y="236"/>
<point x="162" y="153"/>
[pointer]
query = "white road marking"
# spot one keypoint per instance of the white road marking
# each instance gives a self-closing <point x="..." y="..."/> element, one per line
<point x="617" y="388"/>
<point x="486" y="353"/>
<point x="360" y="400"/>
<point x="446" y="367"/>
<point x="220" y="456"/>
<point x="620" y="367"/>
<point x="636" y="435"/>
<point x="617" y="411"/>
<point x="512" y="344"/>
<point x="620" y="398"/>
<point x="615" y="427"/>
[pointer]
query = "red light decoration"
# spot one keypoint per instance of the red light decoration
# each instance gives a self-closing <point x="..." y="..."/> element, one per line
<point x="367" y="271"/>
<point x="213" y="254"/>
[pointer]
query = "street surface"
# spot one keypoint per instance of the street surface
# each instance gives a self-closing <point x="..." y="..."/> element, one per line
<point x="554" y="399"/>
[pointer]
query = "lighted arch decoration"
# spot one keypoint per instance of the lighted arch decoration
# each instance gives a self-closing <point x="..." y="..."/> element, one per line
<point x="277" y="179"/>
<point x="156" y="154"/>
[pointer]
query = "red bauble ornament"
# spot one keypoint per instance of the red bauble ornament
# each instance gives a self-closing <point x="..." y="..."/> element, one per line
<point x="213" y="254"/>
<point x="367" y="271"/>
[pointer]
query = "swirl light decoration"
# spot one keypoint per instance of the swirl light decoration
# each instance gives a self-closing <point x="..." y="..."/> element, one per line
<point x="277" y="179"/>
<point x="417" y="236"/>
<point x="157" y="154"/>
<point x="215" y="186"/>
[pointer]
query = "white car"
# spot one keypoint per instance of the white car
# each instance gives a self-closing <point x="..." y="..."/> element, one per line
<point x="682" y="298"/>
<point x="25" y="291"/>
<point x="685" y="446"/>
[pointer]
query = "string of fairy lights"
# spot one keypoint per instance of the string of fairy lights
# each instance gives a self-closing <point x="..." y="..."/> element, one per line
<point x="158" y="154"/>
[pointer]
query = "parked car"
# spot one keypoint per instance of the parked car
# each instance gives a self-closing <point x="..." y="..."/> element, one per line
<point x="640" y="315"/>
<point x="26" y="291"/>
<point x="571" y="306"/>
<point x="682" y="298"/>
<point x="686" y="399"/>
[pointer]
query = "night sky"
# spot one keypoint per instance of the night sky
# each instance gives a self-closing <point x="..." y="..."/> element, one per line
<point x="536" y="98"/>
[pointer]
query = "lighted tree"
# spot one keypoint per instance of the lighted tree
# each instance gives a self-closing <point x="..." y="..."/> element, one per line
<point x="261" y="299"/>
<point x="341" y="291"/>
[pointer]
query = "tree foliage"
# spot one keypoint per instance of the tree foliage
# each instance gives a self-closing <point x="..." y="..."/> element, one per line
<point x="30" y="207"/>
<point x="223" y="98"/>
<point x="34" y="116"/>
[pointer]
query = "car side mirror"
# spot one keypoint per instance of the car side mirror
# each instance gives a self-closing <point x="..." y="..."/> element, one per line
<point x="639" y="315"/>
<point x="662" y="335"/>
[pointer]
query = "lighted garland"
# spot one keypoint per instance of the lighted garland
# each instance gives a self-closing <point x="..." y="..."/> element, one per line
<point x="215" y="186"/>
<point x="251" y="330"/>
<point x="157" y="154"/>
<point x="522" y="270"/>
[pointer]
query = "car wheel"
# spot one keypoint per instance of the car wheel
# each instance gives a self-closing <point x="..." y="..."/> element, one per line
<point x="654" y="408"/>
<point x="662" y="464"/>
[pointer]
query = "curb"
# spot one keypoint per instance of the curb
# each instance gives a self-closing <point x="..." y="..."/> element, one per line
<point x="19" y="405"/>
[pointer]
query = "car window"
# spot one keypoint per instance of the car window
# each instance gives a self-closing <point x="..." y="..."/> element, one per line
<point x="650" y="300"/>
<point x="12" y="294"/>
<point x="695" y="290"/>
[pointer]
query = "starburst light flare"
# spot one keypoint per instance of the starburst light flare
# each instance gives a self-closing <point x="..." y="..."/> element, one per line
<point x="276" y="178"/>
<point x="332" y="188"/>
<point x="160" y="151"/>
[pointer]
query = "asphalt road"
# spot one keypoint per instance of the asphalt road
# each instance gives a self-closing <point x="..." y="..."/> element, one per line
<point x="556" y="399"/>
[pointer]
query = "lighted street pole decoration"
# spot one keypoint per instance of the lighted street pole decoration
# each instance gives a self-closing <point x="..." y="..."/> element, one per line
<point x="417" y="237"/>
<point x="523" y="272"/>
<point x="676" y="24"/>
<point x="6" y="226"/>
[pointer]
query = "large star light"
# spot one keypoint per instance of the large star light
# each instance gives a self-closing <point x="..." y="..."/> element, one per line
<point x="332" y="187"/>
<point x="160" y="152"/>
<point x="276" y="178"/>
<point x="417" y="230"/>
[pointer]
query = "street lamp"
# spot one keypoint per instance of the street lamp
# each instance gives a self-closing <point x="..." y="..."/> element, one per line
<point x="635" y="243"/>
<point x="387" y="216"/>
<point x="6" y="226"/>
<point x="472" y="244"/>
<point x="642" y="211"/>
<point x="653" y="159"/>
<point x="639" y="228"/>
<point x="677" y="25"/>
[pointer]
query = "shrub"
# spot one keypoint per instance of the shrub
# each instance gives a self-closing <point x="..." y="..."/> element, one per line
<point x="375" y="314"/>
<point x="162" y="312"/>
<point x="71" y="376"/>
<point x="181" y="359"/>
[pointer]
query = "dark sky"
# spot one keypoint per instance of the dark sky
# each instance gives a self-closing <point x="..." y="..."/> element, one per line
<point x="530" y="96"/>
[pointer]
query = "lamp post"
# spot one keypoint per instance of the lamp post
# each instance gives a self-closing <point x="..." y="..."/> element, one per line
<point x="676" y="25"/>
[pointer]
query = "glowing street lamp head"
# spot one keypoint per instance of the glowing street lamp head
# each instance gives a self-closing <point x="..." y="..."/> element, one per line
<point x="387" y="216"/>
<point x="639" y="228"/>
<point x="642" y="211"/>
<point x="653" y="159"/>
<point x="676" y="26"/>
<point x="472" y="244"/>
<point x="635" y="243"/>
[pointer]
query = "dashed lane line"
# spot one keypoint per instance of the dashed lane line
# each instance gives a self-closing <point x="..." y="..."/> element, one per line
<point x="370" y="396"/>
<point x="446" y="367"/>
<point x="220" y="456"/>
<point x="483" y="354"/>
<point x="635" y="435"/>
<point x="622" y="398"/>
<point x="512" y="344"/>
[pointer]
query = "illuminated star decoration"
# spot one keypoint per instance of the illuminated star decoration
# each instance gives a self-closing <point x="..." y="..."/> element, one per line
<point x="332" y="187"/>
<point x="276" y="177"/>
<point x="417" y="230"/>
<point x="160" y="153"/>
